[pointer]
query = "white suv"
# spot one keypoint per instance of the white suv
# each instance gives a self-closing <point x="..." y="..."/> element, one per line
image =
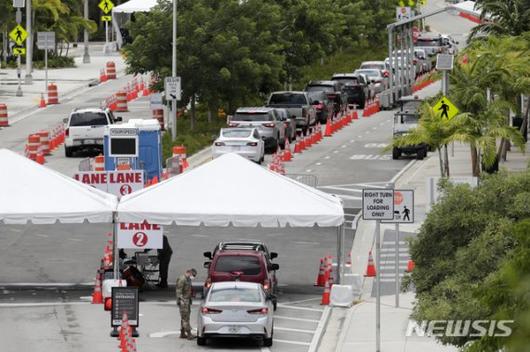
<point x="85" y="129"/>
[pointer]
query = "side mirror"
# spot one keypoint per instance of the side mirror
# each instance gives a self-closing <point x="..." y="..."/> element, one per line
<point x="274" y="255"/>
<point x="119" y="118"/>
<point x="65" y="120"/>
<point x="207" y="255"/>
<point x="206" y="265"/>
<point x="273" y="267"/>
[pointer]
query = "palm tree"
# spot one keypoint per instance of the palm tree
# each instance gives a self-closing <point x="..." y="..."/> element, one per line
<point x="506" y="17"/>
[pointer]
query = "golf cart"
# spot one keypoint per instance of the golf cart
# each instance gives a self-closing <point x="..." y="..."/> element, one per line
<point x="405" y="119"/>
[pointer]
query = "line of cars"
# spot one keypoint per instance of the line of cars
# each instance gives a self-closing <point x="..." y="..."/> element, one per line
<point x="240" y="293"/>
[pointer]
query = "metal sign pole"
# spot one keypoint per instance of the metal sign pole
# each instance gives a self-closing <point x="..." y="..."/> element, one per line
<point x="46" y="68"/>
<point x="174" y="72"/>
<point x="378" y="288"/>
<point x="115" y="255"/>
<point x="19" y="74"/>
<point x="397" y="264"/>
<point x="391" y="75"/>
<point x="106" y="37"/>
<point x="29" y="45"/>
<point x="86" y="54"/>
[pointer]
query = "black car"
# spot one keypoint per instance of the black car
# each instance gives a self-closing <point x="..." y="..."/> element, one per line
<point x="332" y="91"/>
<point x="353" y="87"/>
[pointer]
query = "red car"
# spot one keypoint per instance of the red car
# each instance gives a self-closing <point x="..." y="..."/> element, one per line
<point x="250" y="262"/>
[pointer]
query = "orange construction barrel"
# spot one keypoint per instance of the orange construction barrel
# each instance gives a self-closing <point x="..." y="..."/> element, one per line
<point x="33" y="146"/>
<point x="121" y="102"/>
<point x="111" y="70"/>
<point x="4" y="122"/>
<point x="53" y="96"/>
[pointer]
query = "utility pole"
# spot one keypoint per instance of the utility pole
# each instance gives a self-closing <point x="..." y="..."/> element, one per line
<point x="86" y="55"/>
<point x="174" y="72"/>
<point x="29" y="44"/>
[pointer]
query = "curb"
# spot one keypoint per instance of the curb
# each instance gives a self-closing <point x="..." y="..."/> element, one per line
<point x="200" y="157"/>
<point x="319" y="332"/>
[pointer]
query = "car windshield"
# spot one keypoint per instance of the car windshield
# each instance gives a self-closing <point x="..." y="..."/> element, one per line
<point x="316" y="95"/>
<point x="248" y="265"/>
<point x="88" y="119"/>
<point x="236" y="133"/>
<point x="374" y="66"/>
<point x="252" y="116"/>
<point x="319" y="88"/>
<point x="427" y="42"/>
<point x="288" y="99"/>
<point x="250" y="295"/>
<point x="369" y="73"/>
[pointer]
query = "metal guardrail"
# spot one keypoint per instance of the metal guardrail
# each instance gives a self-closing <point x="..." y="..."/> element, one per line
<point x="306" y="179"/>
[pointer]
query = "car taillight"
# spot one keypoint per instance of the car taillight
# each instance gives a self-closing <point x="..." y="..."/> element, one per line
<point x="260" y="311"/>
<point x="271" y="125"/>
<point x="266" y="285"/>
<point x="252" y="144"/>
<point x="231" y="124"/>
<point x="208" y="283"/>
<point x="219" y="144"/>
<point x="207" y="310"/>
<point x="67" y="132"/>
<point x="386" y="74"/>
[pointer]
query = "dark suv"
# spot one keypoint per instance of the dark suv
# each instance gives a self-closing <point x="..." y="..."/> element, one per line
<point x="354" y="87"/>
<point x="244" y="261"/>
<point x="332" y="91"/>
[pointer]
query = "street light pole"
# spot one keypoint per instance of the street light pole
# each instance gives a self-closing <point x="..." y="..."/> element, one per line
<point x="29" y="44"/>
<point x="86" y="55"/>
<point x="174" y="72"/>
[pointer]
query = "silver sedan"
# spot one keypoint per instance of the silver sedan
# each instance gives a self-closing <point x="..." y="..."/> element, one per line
<point x="243" y="141"/>
<point x="236" y="309"/>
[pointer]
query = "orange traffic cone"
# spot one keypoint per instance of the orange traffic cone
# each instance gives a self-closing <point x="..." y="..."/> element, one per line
<point x="42" y="103"/>
<point x="287" y="155"/>
<point x="297" y="149"/>
<point x="40" y="158"/>
<point x="410" y="266"/>
<point x="326" y="294"/>
<point x="97" y="296"/>
<point x="154" y="180"/>
<point x="328" y="132"/>
<point x="321" y="280"/>
<point x="370" y="269"/>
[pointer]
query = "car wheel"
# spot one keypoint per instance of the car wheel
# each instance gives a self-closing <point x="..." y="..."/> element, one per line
<point x="68" y="152"/>
<point x="422" y="153"/>
<point x="267" y="341"/>
<point x="396" y="153"/>
<point x="201" y="341"/>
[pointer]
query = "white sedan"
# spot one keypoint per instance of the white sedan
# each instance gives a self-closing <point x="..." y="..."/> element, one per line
<point x="243" y="141"/>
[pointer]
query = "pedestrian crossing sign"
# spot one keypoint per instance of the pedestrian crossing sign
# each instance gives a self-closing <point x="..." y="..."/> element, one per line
<point x="106" y="6"/>
<point x="403" y="207"/>
<point x="444" y="108"/>
<point x="18" y="34"/>
<point x="17" y="51"/>
<point x="106" y="18"/>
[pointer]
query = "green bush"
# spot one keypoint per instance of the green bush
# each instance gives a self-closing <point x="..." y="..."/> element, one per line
<point x="55" y="62"/>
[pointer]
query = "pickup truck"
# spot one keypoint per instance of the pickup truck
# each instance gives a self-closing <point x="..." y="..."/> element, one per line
<point x="85" y="128"/>
<point x="297" y="104"/>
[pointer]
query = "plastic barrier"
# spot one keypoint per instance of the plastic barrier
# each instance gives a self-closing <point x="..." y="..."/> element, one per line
<point x="53" y="95"/>
<point x="4" y="120"/>
<point x="111" y="70"/>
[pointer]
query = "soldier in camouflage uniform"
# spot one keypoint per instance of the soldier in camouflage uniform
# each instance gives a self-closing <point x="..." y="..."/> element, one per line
<point x="184" y="295"/>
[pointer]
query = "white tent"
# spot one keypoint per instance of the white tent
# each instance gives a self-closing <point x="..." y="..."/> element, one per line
<point x="467" y="7"/>
<point x="122" y="13"/>
<point x="231" y="190"/>
<point x="33" y="193"/>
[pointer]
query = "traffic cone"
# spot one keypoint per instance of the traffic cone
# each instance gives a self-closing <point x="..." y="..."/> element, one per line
<point x="326" y="293"/>
<point x="321" y="279"/>
<point x="97" y="297"/>
<point x="154" y="181"/>
<point x="355" y="115"/>
<point x="302" y="143"/>
<point x="42" y="103"/>
<point x="328" y="132"/>
<point x="370" y="269"/>
<point x="287" y="155"/>
<point x="297" y="149"/>
<point x="40" y="158"/>
<point x="410" y="266"/>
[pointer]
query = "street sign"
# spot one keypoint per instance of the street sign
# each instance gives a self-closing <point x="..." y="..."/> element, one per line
<point x="18" y="34"/>
<point x="17" y="51"/>
<point x="106" y="6"/>
<point x="125" y="300"/>
<point x="403" y="207"/>
<point x="19" y="3"/>
<point x="106" y="18"/>
<point x="444" y="62"/>
<point x="46" y="40"/>
<point x="378" y="204"/>
<point x="444" y="108"/>
<point x="403" y="13"/>
<point x="140" y="236"/>
<point x="173" y="88"/>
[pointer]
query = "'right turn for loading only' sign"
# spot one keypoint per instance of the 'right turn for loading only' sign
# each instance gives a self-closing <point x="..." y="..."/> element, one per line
<point x="378" y="204"/>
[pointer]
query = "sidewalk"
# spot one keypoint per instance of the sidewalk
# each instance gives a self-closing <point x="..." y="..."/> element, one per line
<point x="357" y="331"/>
<point x="69" y="81"/>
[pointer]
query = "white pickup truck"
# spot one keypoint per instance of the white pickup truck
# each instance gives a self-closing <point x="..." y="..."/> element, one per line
<point x="84" y="129"/>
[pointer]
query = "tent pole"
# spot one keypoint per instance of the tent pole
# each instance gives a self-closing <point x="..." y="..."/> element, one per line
<point x="340" y="240"/>
<point x="115" y="255"/>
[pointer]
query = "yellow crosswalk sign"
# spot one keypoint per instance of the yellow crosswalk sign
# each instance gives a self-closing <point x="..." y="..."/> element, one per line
<point x="106" y="18"/>
<point x="17" y="51"/>
<point x="106" y="6"/>
<point x="444" y="108"/>
<point x="18" y="34"/>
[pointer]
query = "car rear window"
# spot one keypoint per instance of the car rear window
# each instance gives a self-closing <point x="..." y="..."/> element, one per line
<point x="346" y="80"/>
<point x="288" y="99"/>
<point x="88" y="119"/>
<point x="252" y="116"/>
<point x="235" y="295"/>
<point x="320" y="88"/>
<point x="427" y="42"/>
<point x="369" y="73"/>
<point x="374" y="66"/>
<point x="236" y="133"/>
<point x="248" y="265"/>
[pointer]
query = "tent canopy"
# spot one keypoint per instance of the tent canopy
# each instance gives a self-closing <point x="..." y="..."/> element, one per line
<point x="33" y="193"/>
<point x="467" y="7"/>
<point x="232" y="190"/>
<point x="135" y="6"/>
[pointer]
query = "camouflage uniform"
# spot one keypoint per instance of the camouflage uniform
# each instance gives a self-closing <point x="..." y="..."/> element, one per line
<point x="184" y="301"/>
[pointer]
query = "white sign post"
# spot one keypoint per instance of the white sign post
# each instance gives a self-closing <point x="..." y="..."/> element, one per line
<point x="140" y="236"/>
<point x="172" y="88"/>
<point x="378" y="204"/>
<point x="403" y="213"/>
<point x="46" y="41"/>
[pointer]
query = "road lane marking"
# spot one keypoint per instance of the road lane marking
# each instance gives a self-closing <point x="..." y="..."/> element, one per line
<point x="335" y="151"/>
<point x="359" y="136"/>
<point x="296" y="319"/>
<point x="376" y="145"/>
<point x="160" y="334"/>
<point x="292" y="342"/>
<point x="303" y="300"/>
<point x="342" y="189"/>
<point x="308" y="170"/>
<point x="281" y="305"/>
<point x="295" y="330"/>
<point x="318" y="164"/>
<point x="383" y="157"/>
<point x="347" y="197"/>
<point x="327" y="157"/>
